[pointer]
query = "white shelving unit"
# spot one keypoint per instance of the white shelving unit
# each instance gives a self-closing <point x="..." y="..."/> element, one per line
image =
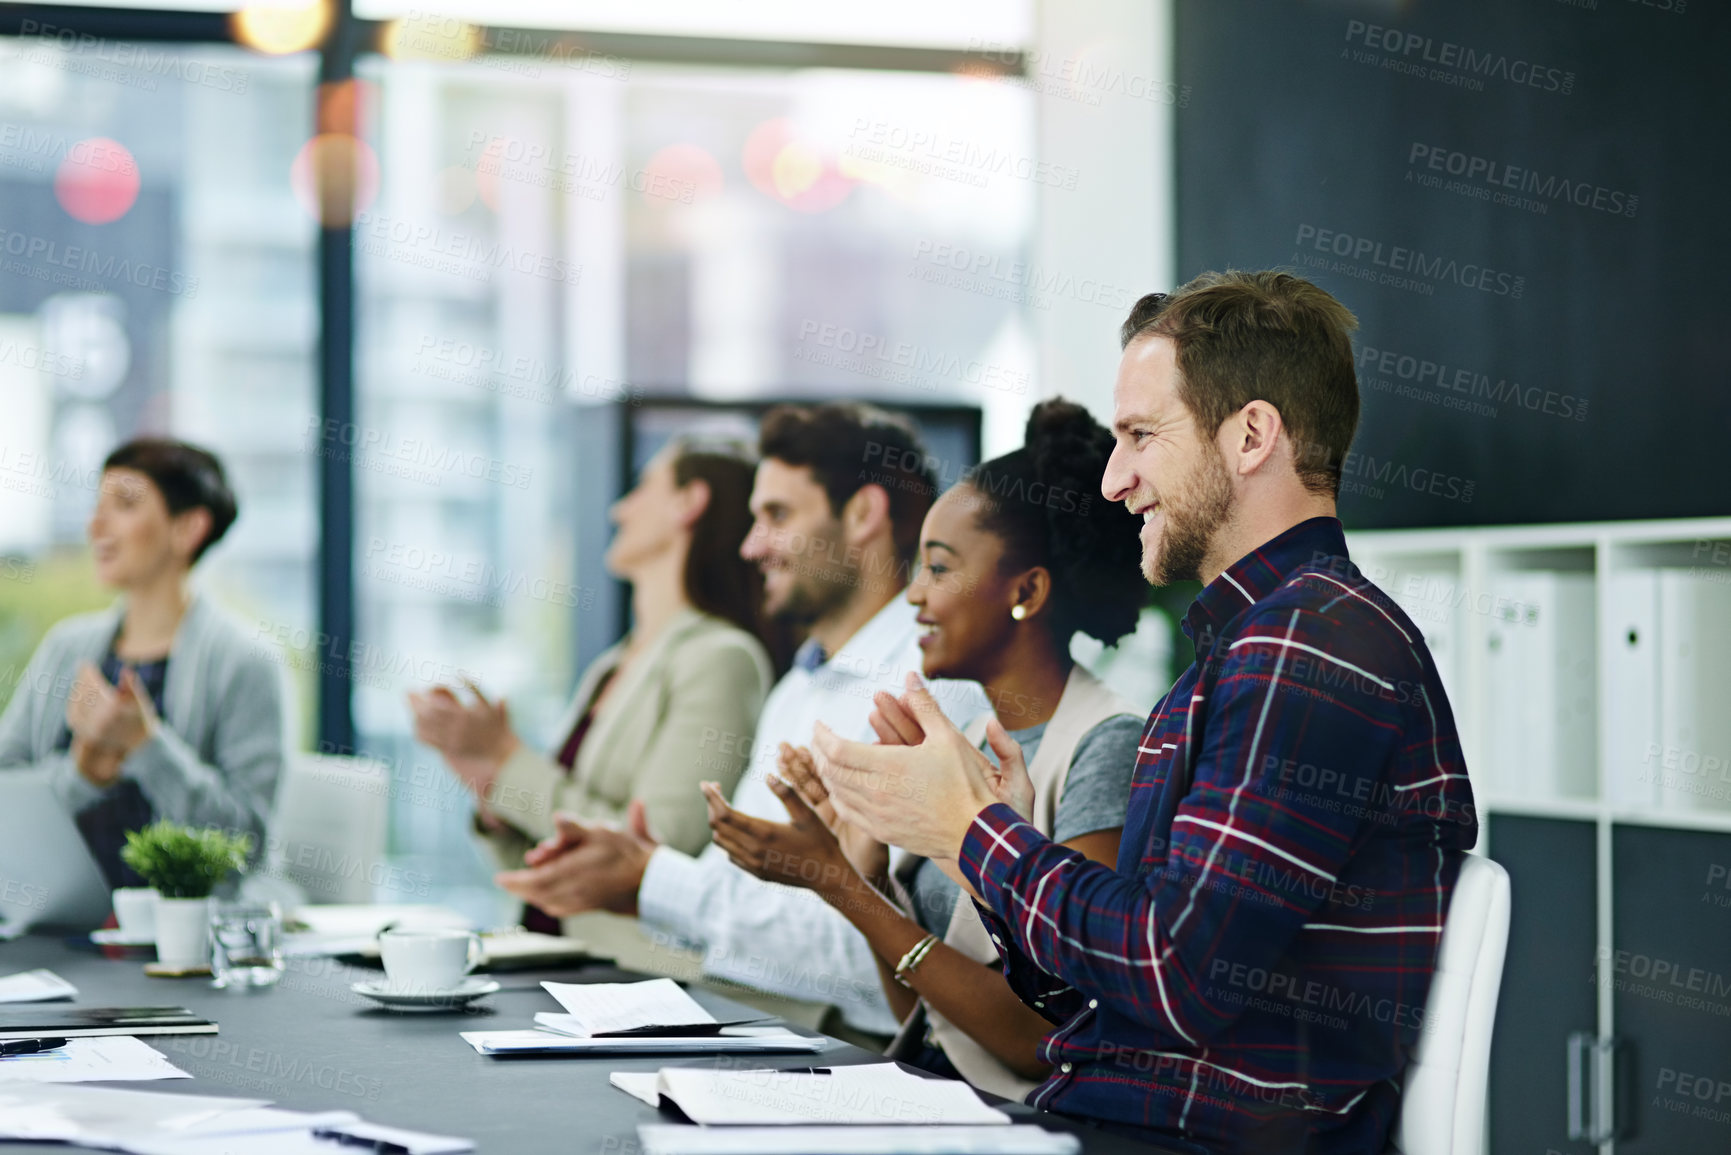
<point x="1589" y="669"/>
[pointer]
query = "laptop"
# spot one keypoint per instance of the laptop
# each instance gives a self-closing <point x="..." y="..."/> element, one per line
<point x="47" y="876"/>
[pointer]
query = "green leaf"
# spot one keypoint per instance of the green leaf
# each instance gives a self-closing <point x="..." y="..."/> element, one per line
<point x="181" y="862"/>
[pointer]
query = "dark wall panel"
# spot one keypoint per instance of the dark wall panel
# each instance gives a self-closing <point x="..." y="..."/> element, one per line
<point x="1524" y="201"/>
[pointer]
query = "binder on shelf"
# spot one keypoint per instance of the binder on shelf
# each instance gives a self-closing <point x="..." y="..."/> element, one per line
<point x="1629" y="642"/>
<point x="1541" y="674"/>
<point x="1691" y="756"/>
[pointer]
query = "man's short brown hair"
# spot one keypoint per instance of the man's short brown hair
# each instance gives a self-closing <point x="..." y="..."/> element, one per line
<point x="1263" y="336"/>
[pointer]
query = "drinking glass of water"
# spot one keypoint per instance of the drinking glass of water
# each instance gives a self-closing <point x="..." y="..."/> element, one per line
<point x="246" y="944"/>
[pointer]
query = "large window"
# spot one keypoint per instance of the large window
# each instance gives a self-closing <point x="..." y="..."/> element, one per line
<point x="156" y="276"/>
<point x="552" y="235"/>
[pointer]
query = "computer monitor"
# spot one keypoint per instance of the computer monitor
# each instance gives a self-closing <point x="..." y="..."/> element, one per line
<point x="47" y="876"/>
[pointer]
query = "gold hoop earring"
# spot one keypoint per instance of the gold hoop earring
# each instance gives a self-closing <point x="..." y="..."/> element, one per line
<point x="1018" y="612"/>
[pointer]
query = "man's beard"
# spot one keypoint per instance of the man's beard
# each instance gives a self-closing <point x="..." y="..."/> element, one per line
<point x="817" y="586"/>
<point x="1193" y="515"/>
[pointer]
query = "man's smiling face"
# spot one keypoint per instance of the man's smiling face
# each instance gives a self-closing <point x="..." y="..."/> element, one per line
<point x="1162" y="468"/>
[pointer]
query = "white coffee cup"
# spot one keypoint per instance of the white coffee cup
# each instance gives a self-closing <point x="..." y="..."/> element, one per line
<point x="135" y="911"/>
<point x="428" y="960"/>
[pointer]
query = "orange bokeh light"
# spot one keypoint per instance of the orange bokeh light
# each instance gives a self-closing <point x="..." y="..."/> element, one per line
<point x="278" y="27"/>
<point x="801" y="174"/>
<point x="97" y="181"/>
<point x="333" y="177"/>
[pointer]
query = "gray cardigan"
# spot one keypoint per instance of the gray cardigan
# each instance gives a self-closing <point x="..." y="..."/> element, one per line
<point x="216" y="755"/>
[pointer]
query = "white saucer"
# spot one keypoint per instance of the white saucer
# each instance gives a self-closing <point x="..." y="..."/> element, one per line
<point x="114" y="936"/>
<point x="467" y="991"/>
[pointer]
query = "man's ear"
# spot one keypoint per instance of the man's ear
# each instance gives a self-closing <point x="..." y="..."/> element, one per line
<point x="1249" y="437"/>
<point x="866" y="513"/>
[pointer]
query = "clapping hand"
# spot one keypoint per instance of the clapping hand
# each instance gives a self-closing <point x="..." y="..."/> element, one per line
<point x="107" y="722"/>
<point x="921" y="796"/>
<point x="475" y="737"/>
<point x="584" y="866"/>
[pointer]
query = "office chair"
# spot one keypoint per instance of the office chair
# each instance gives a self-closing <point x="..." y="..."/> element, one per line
<point x="327" y="830"/>
<point x="1443" y="1089"/>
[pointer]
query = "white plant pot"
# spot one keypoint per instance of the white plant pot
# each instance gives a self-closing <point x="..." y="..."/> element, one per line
<point x="183" y="932"/>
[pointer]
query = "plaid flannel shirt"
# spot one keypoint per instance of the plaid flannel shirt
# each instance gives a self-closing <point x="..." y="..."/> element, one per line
<point x="1253" y="974"/>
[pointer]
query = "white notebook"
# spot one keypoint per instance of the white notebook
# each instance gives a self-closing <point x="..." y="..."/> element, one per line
<point x="1021" y="1139"/>
<point x="869" y="1094"/>
<point x="741" y="1040"/>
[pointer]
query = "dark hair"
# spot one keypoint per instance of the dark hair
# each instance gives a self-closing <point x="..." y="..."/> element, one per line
<point x="848" y="446"/>
<point x="187" y="477"/>
<point x="1269" y="336"/>
<point x="717" y="580"/>
<point x="1043" y="501"/>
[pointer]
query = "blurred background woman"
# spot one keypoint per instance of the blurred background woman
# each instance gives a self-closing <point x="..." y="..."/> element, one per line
<point x="1016" y="559"/>
<point x="673" y="703"/>
<point x="159" y="707"/>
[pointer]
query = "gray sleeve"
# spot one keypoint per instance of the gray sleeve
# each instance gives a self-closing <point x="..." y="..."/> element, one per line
<point x="1097" y="792"/>
<point x="44" y="685"/>
<point x="236" y="788"/>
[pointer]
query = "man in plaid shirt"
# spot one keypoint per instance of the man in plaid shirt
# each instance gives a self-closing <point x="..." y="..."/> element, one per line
<point x="1252" y="976"/>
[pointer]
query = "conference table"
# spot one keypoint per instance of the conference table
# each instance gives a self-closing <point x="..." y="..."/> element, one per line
<point x="310" y="1043"/>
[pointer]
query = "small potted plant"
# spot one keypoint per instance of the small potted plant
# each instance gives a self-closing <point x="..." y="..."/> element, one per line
<point x="184" y="865"/>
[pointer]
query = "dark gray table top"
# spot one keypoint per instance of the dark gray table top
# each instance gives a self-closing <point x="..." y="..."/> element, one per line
<point x="310" y="1043"/>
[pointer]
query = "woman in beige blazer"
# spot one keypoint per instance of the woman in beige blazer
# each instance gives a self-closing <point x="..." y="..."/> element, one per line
<point x="673" y="703"/>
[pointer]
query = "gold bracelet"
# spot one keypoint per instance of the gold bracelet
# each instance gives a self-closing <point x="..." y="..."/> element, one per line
<point x="915" y="956"/>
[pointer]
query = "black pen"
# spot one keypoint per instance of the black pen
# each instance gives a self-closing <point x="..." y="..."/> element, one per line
<point x="383" y="1146"/>
<point x="29" y="1046"/>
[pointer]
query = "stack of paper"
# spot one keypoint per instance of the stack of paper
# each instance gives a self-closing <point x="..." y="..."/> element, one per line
<point x="655" y="1016"/>
<point x="873" y="1109"/>
<point x="147" y="1123"/>
<point x="35" y="987"/>
<point x="1022" y="1139"/>
<point x="109" y="1058"/>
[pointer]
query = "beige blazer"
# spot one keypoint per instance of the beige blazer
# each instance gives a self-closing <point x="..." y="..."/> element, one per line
<point x="1086" y="702"/>
<point x="684" y="712"/>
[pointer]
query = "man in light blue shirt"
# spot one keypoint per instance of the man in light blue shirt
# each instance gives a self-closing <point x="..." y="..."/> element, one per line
<point x="837" y="505"/>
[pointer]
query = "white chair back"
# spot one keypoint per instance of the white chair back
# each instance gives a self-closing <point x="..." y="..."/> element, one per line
<point x="327" y="832"/>
<point x="1443" y="1097"/>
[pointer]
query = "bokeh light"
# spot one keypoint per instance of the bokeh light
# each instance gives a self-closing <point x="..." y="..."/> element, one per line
<point x="681" y="174"/>
<point x="799" y="173"/>
<point x="97" y="181"/>
<point x="334" y="176"/>
<point x="278" y="27"/>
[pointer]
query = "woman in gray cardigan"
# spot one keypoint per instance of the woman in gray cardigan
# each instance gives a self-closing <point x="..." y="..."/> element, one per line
<point x="158" y="707"/>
